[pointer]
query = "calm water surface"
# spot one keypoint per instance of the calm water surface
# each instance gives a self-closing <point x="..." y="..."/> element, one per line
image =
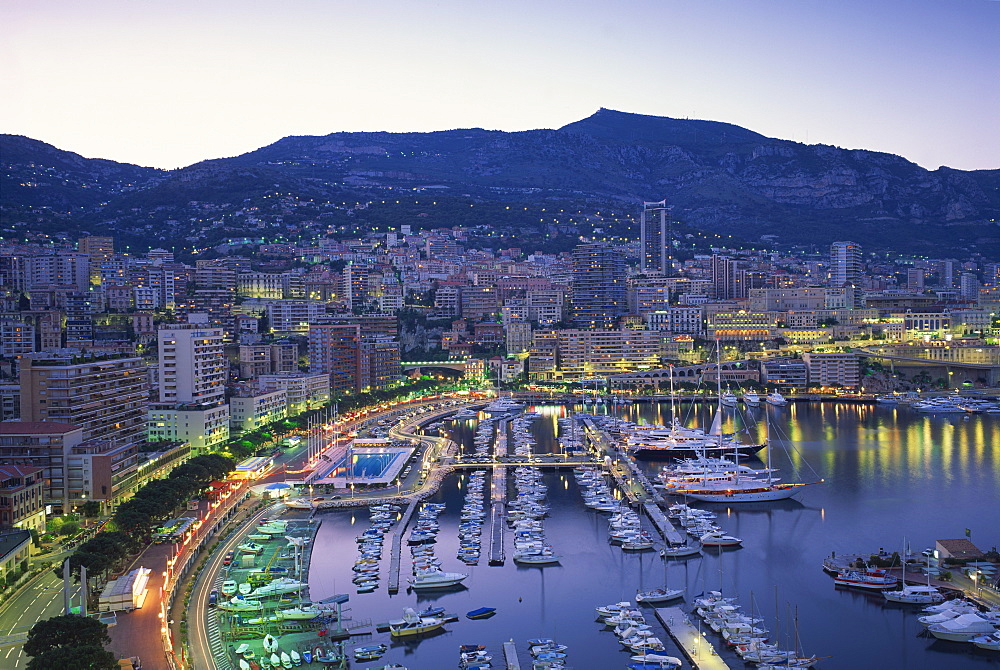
<point x="890" y="473"/>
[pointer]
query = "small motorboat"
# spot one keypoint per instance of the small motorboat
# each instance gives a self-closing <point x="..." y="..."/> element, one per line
<point x="307" y="655"/>
<point x="369" y="652"/>
<point x="286" y="660"/>
<point x="270" y="644"/>
<point x="242" y="649"/>
<point x="481" y="613"/>
<point x="296" y="658"/>
<point x="275" y="660"/>
<point x="431" y="611"/>
<point x="469" y="648"/>
<point x="244" y="665"/>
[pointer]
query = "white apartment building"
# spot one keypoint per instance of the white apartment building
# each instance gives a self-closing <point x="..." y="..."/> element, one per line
<point x="251" y="412"/>
<point x="204" y="426"/>
<point x="678" y="320"/>
<point x="192" y="364"/>
<point x="828" y="368"/>
<point x="304" y="390"/>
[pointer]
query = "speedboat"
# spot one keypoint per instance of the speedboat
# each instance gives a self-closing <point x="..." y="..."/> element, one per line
<point x="270" y="644"/>
<point x="436" y="580"/>
<point x="962" y="628"/>
<point x="412" y="624"/>
<point x="988" y="642"/>
<point x="717" y="538"/>
<point x="481" y="613"/>
<point x="229" y="587"/>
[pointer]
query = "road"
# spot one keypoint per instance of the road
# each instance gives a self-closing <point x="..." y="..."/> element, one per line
<point x="42" y="600"/>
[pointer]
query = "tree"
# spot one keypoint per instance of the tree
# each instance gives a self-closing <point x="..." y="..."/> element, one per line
<point x="86" y="657"/>
<point x="69" y="528"/>
<point x="68" y="630"/>
<point x="91" y="508"/>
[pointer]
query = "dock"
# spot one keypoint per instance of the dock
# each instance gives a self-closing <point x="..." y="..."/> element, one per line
<point x="397" y="547"/>
<point x="510" y="656"/>
<point x="663" y="525"/>
<point x="695" y="647"/>
<point x="498" y="497"/>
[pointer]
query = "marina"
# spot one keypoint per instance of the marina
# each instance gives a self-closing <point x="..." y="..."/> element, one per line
<point x="784" y="544"/>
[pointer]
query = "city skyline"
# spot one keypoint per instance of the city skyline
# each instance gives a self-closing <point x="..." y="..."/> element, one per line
<point x="169" y="86"/>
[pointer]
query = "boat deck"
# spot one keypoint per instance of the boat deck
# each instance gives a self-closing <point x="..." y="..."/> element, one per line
<point x="397" y="547"/>
<point x="698" y="650"/>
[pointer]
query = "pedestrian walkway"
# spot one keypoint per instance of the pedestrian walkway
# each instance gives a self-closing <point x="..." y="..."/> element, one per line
<point x="692" y="643"/>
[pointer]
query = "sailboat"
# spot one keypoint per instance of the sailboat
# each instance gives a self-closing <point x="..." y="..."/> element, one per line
<point x="660" y="595"/>
<point x="913" y="594"/>
<point x="738" y="486"/>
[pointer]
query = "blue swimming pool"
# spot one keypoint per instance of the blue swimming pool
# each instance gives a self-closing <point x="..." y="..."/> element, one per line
<point x="364" y="466"/>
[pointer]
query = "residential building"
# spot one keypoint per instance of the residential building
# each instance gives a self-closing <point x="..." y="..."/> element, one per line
<point x="252" y="411"/>
<point x="335" y="350"/>
<point x="599" y="285"/>
<point x="204" y="426"/>
<point x="193" y="366"/>
<point x="15" y="549"/>
<point x="75" y="470"/>
<point x="263" y="359"/>
<point x="830" y="368"/>
<point x="655" y="238"/>
<point x="518" y="337"/>
<point x="106" y="396"/>
<point x="845" y="264"/>
<point x="788" y="373"/>
<point x="22" y="497"/>
<point x="303" y="390"/>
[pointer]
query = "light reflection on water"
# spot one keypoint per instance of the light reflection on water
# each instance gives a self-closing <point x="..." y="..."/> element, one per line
<point x="890" y="473"/>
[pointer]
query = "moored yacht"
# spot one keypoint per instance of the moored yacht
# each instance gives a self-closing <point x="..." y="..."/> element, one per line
<point x="436" y="580"/>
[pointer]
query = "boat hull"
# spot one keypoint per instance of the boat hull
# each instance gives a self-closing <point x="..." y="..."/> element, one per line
<point x="766" y="494"/>
<point x="660" y="453"/>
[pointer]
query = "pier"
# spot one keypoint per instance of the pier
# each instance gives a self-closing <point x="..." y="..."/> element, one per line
<point x="698" y="650"/>
<point x="397" y="547"/>
<point x="498" y="497"/>
<point x="510" y="656"/>
<point x="663" y="525"/>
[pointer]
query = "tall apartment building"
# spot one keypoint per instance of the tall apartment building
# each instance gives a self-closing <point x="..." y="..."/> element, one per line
<point x="654" y="238"/>
<point x="99" y="250"/>
<point x="599" y="285"/>
<point x="192" y="364"/>
<point x="334" y="350"/>
<point x="729" y="280"/>
<point x="845" y="263"/>
<point x="106" y="396"/>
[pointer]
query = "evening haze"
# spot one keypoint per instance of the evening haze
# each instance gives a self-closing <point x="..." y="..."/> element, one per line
<point x="168" y="84"/>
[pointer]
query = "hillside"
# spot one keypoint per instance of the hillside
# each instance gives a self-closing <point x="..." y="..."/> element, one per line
<point x="718" y="177"/>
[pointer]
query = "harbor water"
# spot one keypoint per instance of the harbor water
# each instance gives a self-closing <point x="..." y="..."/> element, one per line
<point x="891" y="475"/>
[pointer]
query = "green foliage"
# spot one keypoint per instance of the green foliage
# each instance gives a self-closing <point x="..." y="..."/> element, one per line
<point x="91" y="508"/>
<point x="69" y="528"/>
<point x="67" y="630"/>
<point x="87" y="657"/>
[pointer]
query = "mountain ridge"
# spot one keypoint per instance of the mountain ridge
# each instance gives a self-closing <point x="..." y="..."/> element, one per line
<point x="717" y="176"/>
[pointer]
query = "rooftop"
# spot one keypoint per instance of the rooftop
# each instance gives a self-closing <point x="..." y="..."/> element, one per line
<point x="35" y="427"/>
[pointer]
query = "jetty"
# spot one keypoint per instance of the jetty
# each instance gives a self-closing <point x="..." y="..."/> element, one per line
<point x="397" y="547"/>
<point x="498" y="498"/>
<point x="662" y="524"/>
<point x="695" y="647"/>
<point x="510" y="656"/>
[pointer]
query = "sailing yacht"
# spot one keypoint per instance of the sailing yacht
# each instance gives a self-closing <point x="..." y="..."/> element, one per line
<point x="737" y="486"/>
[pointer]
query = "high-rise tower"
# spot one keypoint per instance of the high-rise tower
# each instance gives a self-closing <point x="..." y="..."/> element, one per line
<point x="599" y="285"/>
<point x="845" y="264"/>
<point x="654" y="237"/>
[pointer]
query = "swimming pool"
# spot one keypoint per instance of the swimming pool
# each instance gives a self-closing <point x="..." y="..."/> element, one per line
<point x="370" y="466"/>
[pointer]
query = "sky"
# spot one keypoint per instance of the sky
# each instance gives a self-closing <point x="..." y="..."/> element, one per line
<point x="167" y="84"/>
